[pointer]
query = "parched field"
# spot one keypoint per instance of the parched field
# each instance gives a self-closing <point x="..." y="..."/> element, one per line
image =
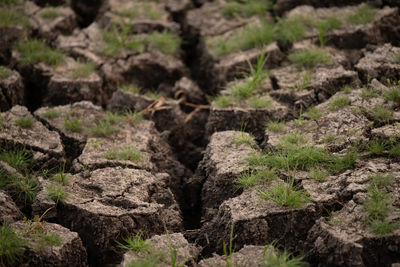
<point x="199" y="133"/>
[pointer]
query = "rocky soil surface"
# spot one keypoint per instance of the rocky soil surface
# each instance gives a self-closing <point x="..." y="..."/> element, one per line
<point x="199" y="133"/>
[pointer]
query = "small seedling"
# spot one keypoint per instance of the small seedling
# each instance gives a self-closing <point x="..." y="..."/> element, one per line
<point x="368" y="92"/>
<point x="51" y="113"/>
<point x="309" y="57"/>
<point x="25" y="122"/>
<point x="382" y="227"/>
<point x="363" y="15"/>
<point x="223" y="101"/>
<point x="339" y="102"/>
<point x="84" y="70"/>
<point x="56" y="193"/>
<point x="130" y="153"/>
<point x="275" y="126"/>
<point x="393" y="94"/>
<point x="35" y="51"/>
<point x="11" y="246"/>
<point x="118" y="38"/>
<point x="25" y="189"/>
<point x="5" y="72"/>
<point x="60" y="177"/>
<point x="73" y="125"/>
<point x="135" y="243"/>
<point x="277" y="258"/>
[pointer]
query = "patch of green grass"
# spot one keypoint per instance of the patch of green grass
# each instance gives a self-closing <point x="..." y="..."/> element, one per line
<point x="309" y="57"/>
<point x="49" y="13"/>
<point x="135" y="243"/>
<point x="304" y="158"/>
<point x="338" y="103"/>
<point x="319" y="175"/>
<point x="83" y="70"/>
<point x="243" y="139"/>
<point x="11" y="17"/>
<point x="166" y="42"/>
<point x="328" y="138"/>
<point x="9" y="2"/>
<point x="60" y="177"/>
<point x="16" y="158"/>
<point x="11" y="246"/>
<point x="381" y="180"/>
<point x="129" y="153"/>
<point x="35" y="51"/>
<point x="368" y="92"/>
<point x="290" y="30"/>
<point x="116" y="40"/>
<point x="51" y="113"/>
<point x="51" y="239"/>
<point x="132" y="88"/>
<point x="56" y="193"/>
<point x="394" y="151"/>
<point x="133" y="117"/>
<point x="223" y="101"/>
<point x="377" y="147"/>
<point x="151" y="260"/>
<point x="5" y="72"/>
<point x="253" y="178"/>
<point x="382" y="227"/>
<point x="144" y="10"/>
<point x="292" y="139"/>
<point x="246" y="9"/>
<point x="304" y="82"/>
<point x="393" y="94"/>
<point x="24" y="190"/>
<point x="314" y="113"/>
<point x="24" y="122"/>
<point x="363" y="15"/>
<point x="275" y="126"/>
<point x="397" y="57"/>
<point x="252" y="36"/>
<point x="73" y="125"/>
<point x="382" y="113"/>
<point x="286" y="194"/>
<point x="347" y="89"/>
<point x="277" y="258"/>
<point x="260" y="102"/>
<point x="102" y="129"/>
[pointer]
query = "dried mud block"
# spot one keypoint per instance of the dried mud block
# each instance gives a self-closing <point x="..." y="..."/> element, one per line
<point x="111" y="203"/>
<point x="20" y="127"/>
<point x="160" y="249"/>
<point x="12" y="89"/>
<point x="347" y="238"/>
<point x="223" y="161"/>
<point x="335" y="130"/>
<point x="64" y="249"/>
<point x="8" y="210"/>
<point x="147" y="66"/>
<point x="387" y="132"/>
<point x="49" y="22"/>
<point x="256" y="222"/>
<point x="143" y="16"/>
<point x="84" y="115"/>
<point x="250" y="119"/>
<point x="381" y="64"/>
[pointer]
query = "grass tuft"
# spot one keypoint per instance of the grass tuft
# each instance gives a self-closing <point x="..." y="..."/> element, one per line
<point x="166" y="42"/>
<point x="5" y="72"/>
<point x="244" y="139"/>
<point x="382" y="113"/>
<point x="84" y="70"/>
<point x="35" y="51"/>
<point x="284" y="259"/>
<point x="102" y="129"/>
<point x="377" y="147"/>
<point x="24" y="122"/>
<point x="314" y="113"/>
<point x="130" y="153"/>
<point x="275" y="126"/>
<point x="73" y="125"/>
<point x="11" y="246"/>
<point x="51" y="113"/>
<point x="253" y="178"/>
<point x="338" y="103"/>
<point x="363" y="15"/>
<point x="290" y="30"/>
<point x="49" y="13"/>
<point x="309" y="57"/>
<point x="286" y="194"/>
<point x="56" y="193"/>
<point x="246" y="9"/>
<point x="12" y="17"/>
<point x="135" y="243"/>
<point x="16" y="158"/>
